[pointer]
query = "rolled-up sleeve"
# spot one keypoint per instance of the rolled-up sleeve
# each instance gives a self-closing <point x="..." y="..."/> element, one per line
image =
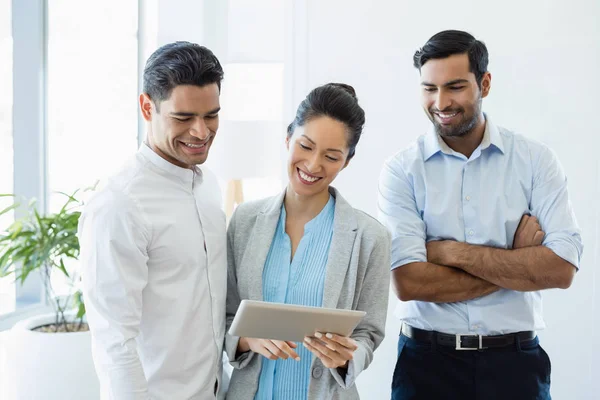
<point x="113" y="237"/>
<point x="397" y="211"/>
<point x="551" y="205"/>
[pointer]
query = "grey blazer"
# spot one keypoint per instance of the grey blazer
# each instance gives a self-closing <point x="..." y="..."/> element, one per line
<point x="357" y="278"/>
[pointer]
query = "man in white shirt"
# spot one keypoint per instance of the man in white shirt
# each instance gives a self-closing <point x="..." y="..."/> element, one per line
<point x="153" y="247"/>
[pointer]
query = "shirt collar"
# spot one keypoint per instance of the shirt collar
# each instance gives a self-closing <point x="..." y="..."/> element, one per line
<point x="326" y="212"/>
<point x="187" y="175"/>
<point x="493" y="133"/>
<point x="433" y="143"/>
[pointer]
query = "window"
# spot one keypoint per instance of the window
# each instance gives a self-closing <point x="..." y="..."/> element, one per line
<point x="7" y="290"/>
<point x="92" y="94"/>
<point x="253" y="130"/>
<point x="247" y="154"/>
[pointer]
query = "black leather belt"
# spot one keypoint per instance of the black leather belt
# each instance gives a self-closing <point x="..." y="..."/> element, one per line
<point x="466" y="341"/>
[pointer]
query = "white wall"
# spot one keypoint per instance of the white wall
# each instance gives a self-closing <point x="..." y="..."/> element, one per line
<point x="544" y="59"/>
<point x="4" y="386"/>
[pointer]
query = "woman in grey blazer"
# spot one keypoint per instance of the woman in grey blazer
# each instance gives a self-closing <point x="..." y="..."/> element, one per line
<point x="309" y="246"/>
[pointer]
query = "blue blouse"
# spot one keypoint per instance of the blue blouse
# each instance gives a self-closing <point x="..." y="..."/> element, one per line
<point x="300" y="281"/>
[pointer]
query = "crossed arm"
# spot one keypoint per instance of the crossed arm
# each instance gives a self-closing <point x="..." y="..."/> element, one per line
<point x="430" y="282"/>
<point x="450" y="271"/>
<point x="457" y="271"/>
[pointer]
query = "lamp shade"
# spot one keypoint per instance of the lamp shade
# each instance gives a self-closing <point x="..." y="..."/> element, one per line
<point x="247" y="149"/>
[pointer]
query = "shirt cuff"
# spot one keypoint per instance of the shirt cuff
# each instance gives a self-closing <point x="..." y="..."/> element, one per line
<point x="243" y="359"/>
<point x="565" y="248"/>
<point x="406" y="250"/>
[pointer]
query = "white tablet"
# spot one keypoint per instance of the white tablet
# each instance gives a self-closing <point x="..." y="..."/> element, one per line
<point x="276" y="321"/>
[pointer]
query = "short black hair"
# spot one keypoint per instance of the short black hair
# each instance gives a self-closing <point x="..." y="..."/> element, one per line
<point x="337" y="101"/>
<point x="447" y="43"/>
<point x="180" y="63"/>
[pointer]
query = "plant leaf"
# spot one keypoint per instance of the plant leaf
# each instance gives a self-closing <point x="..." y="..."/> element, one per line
<point x="43" y="230"/>
<point x="71" y="199"/>
<point x="61" y="266"/>
<point x="17" y="227"/>
<point x="81" y="310"/>
<point x="78" y="300"/>
<point x="4" y="259"/>
<point x="92" y="188"/>
<point x="9" y="208"/>
<point x="42" y="242"/>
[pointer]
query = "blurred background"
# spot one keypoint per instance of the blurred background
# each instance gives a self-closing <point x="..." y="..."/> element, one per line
<point x="70" y="74"/>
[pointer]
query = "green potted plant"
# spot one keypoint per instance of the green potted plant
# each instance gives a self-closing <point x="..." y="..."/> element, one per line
<point x="42" y="244"/>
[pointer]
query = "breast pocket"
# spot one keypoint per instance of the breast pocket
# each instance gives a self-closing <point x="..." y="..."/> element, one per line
<point x="440" y="210"/>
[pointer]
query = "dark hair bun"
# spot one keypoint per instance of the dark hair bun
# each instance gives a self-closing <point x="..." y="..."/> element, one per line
<point x="346" y="88"/>
<point x="337" y="101"/>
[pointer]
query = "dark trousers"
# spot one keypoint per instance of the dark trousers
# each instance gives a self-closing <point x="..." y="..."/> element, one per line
<point x="427" y="371"/>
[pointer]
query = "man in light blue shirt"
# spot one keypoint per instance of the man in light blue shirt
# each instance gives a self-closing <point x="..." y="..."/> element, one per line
<point x="481" y="222"/>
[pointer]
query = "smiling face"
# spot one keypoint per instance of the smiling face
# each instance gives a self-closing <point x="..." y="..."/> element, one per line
<point x="183" y="127"/>
<point x="451" y="96"/>
<point x="317" y="152"/>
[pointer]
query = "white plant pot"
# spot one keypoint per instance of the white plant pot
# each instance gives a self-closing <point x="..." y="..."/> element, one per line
<point x="50" y="366"/>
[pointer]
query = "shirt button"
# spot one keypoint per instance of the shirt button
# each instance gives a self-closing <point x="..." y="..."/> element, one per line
<point x="317" y="372"/>
<point x="467" y="198"/>
<point x="471" y="233"/>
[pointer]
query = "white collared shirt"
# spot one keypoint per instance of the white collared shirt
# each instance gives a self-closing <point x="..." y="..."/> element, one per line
<point x="154" y="270"/>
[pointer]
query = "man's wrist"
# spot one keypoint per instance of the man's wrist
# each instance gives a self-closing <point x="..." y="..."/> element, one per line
<point x="472" y="257"/>
<point x="461" y="255"/>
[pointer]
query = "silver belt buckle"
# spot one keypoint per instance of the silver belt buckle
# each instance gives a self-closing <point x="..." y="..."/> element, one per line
<point x="459" y="344"/>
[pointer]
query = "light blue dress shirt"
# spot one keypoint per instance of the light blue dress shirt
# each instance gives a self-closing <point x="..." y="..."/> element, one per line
<point x="430" y="192"/>
<point x="300" y="281"/>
